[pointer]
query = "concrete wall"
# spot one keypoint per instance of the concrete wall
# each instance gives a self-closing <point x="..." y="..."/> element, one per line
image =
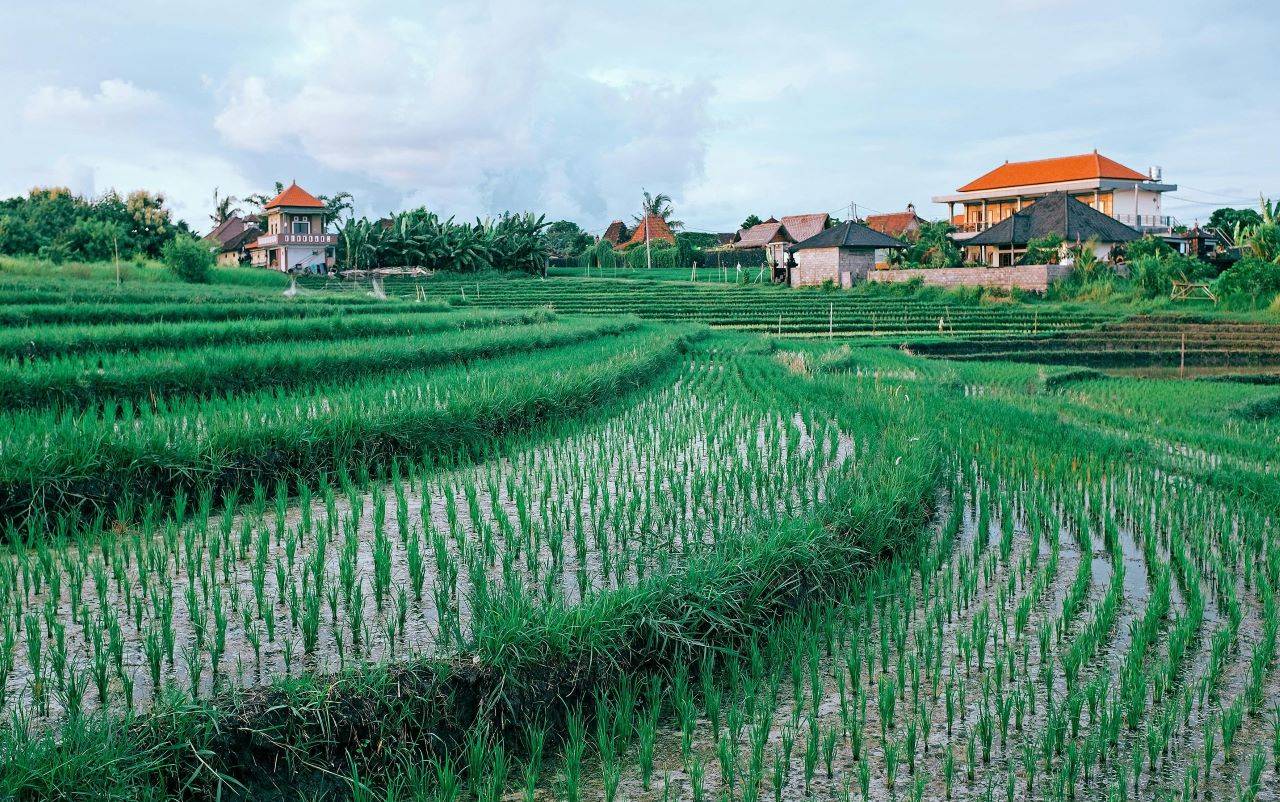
<point x="844" y="266"/>
<point x="1035" y="278"/>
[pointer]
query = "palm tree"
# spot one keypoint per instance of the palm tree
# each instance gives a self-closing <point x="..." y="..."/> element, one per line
<point x="336" y="204"/>
<point x="659" y="206"/>
<point x="224" y="207"/>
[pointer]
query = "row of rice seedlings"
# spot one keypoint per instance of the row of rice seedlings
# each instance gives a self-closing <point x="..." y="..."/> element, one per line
<point x="80" y="383"/>
<point x="47" y="342"/>
<point x="352" y="576"/>
<point x="122" y="454"/>
<point x="15" y="315"/>
<point x="1015" y="724"/>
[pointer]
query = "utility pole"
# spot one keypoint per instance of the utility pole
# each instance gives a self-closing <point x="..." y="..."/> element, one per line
<point x="648" y="257"/>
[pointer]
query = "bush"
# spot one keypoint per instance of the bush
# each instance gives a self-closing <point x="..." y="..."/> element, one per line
<point x="1251" y="278"/>
<point x="189" y="259"/>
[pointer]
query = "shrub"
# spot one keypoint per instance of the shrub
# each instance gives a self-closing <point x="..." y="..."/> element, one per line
<point x="189" y="259"/>
<point x="1251" y="278"/>
<point x="1043" y="250"/>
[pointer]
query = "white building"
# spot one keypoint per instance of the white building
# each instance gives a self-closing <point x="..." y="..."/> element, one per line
<point x="1098" y="182"/>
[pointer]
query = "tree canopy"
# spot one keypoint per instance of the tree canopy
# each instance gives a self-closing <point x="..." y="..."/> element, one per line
<point x="566" y="239"/>
<point x="55" y="224"/>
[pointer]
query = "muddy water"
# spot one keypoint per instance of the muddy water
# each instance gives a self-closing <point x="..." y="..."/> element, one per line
<point x="1138" y="513"/>
<point x="640" y="493"/>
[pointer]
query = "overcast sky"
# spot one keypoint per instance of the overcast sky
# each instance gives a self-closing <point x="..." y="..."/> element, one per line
<point x="571" y="109"/>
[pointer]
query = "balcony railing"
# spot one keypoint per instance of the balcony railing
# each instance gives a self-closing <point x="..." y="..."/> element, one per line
<point x="1145" y="222"/>
<point x="272" y="240"/>
<point x="1162" y="222"/>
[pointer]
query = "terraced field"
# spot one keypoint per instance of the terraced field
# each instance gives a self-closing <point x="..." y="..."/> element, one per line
<point x="766" y="309"/>
<point x="338" y="547"/>
<point x="1142" y="341"/>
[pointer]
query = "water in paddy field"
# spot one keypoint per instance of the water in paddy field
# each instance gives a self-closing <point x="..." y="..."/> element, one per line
<point x="404" y="566"/>
<point x="946" y="609"/>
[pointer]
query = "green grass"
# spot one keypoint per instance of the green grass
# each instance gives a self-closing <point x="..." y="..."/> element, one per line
<point x="497" y="549"/>
<point x="130" y="273"/>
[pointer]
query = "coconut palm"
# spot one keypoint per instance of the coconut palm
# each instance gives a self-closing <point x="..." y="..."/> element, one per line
<point x="659" y="206"/>
<point x="224" y="207"/>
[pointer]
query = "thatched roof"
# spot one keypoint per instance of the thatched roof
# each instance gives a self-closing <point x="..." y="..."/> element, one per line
<point x="1055" y="213"/>
<point x="657" y="229"/>
<point x="616" y="232"/>
<point x="849" y="235"/>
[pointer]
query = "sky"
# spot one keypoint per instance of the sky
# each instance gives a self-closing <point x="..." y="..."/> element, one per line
<point x="573" y="109"/>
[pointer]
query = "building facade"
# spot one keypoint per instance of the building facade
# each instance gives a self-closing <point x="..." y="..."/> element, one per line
<point x="842" y="255"/>
<point x="295" y="239"/>
<point x="1100" y="183"/>
<point x="230" y="240"/>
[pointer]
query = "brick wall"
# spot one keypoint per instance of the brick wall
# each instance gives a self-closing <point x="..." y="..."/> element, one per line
<point x="844" y="266"/>
<point x="1034" y="278"/>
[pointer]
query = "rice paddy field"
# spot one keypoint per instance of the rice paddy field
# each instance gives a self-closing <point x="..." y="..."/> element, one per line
<point x="585" y="539"/>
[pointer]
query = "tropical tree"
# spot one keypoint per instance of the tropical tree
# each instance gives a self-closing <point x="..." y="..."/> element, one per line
<point x="224" y="208"/>
<point x="752" y="220"/>
<point x="659" y="206"/>
<point x="336" y="204"/>
<point x="1226" y="219"/>
<point x="1261" y="239"/>
<point x="565" y="239"/>
<point x="419" y="238"/>
<point x="259" y="201"/>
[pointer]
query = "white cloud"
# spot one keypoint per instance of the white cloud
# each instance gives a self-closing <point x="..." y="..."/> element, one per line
<point x="114" y="100"/>
<point x="469" y="110"/>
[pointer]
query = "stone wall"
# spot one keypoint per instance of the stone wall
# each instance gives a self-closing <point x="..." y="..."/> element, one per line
<point x="843" y="266"/>
<point x="1034" y="278"/>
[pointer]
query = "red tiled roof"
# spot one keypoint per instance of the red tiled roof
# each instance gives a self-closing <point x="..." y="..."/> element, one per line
<point x="803" y="226"/>
<point x="1048" y="171"/>
<point x="295" y="196"/>
<point x="895" y="224"/>
<point x="658" y="230"/>
<point x="616" y="232"/>
<point x="761" y="234"/>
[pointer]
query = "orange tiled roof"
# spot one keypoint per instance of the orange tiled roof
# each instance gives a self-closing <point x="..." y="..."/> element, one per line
<point x="894" y="224"/>
<point x="295" y="196"/>
<point x="1048" y="171"/>
<point x="658" y="230"/>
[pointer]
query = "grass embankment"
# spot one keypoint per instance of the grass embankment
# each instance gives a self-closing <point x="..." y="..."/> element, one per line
<point x="116" y="460"/>
<point x="210" y="371"/>
<point x="45" y="314"/>
<point x="522" y="663"/>
<point x="147" y="272"/>
<point x="48" y="341"/>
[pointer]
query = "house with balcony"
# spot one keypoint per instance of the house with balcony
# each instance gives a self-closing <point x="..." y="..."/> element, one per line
<point x="294" y="239"/>
<point x="1102" y="184"/>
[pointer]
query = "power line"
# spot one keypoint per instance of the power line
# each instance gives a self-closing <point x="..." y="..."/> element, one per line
<point x="1195" y="202"/>
<point x="1240" y="198"/>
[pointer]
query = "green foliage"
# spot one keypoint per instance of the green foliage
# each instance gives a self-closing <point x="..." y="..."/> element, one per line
<point x="1154" y="266"/>
<point x="932" y="247"/>
<point x="1044" y="250"/>
<point x="660" y="206"/>
<point x="565" y="239"/>
<point x="189" y="259"/>
<point x="1251" y="278"/>
<point x="1228" y="219"/>
<point x="419" y="238"/>
<point x="752" y="220"/>
<point x="63" y="227"/>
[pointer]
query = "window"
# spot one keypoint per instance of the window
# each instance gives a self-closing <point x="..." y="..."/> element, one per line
<point x="302" y="225"/>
